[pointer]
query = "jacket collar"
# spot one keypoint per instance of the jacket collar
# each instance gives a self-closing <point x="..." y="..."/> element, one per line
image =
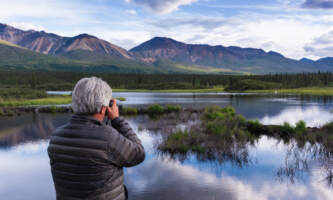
<point x="85" y="119"/>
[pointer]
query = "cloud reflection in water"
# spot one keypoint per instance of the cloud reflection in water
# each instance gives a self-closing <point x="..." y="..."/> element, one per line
<point x="314" y="116"/>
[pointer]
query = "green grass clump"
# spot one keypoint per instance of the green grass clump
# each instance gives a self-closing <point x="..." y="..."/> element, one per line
<point x="223" y="121"/>
<point x="300" y="127"/>
<point x="121" y="98"/>
<point x="172" y="108"/>
<point x="1" y="112"/>
<point x="129" y="111"/>
<point x="155" y="109"/>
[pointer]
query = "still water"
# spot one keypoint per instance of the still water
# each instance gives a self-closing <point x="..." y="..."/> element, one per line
<point x="271" y="170"/>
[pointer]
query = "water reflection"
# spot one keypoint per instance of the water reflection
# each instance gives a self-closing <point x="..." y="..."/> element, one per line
<point x="314" y="116"/>
<point x="169" y="179"/>
<point x="268" y="169"/>
<point x="29" y="128"/>
<point x="299" y="162"/>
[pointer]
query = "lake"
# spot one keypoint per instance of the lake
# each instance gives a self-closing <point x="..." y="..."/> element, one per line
<point x="268" y="169"/>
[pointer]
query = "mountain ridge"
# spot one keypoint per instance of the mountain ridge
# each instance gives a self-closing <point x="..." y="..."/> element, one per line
<point x="53" y="44"/>
<point x="251" y="60"/>
<point x="162" y="54"/>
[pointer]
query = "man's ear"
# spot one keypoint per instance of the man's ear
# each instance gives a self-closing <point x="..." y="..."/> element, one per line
<point x="103" y="110"/>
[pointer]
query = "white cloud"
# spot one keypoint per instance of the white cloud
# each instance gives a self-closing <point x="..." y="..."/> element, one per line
<point x="132" y="12"/>
<point x="26" y="26"/>
<point x="287" y="34"/>
<point x="161" y="6"/>
<point x="322" y="45"/>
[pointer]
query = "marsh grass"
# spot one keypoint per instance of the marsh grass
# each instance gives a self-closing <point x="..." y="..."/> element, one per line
<point x="219" y="127"/>
<point x="223" y="121"/>
<point x="129" y="111"/>
<point x="222" y="126"/>
<point x="156" y="109"/>
<point x="56" y="100"/>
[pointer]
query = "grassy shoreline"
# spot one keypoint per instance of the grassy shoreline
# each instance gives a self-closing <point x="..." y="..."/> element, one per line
<point x="171" y="90"/>
<point x="327" y="91"/>
<point x="57" y="100"/>
<point x="50" y="100"/>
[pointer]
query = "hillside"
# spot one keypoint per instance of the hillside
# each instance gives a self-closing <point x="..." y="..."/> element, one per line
<point x="17" y="58"/>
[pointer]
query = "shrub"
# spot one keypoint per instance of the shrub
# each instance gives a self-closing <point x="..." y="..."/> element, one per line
<point x="223" y="121"/>
<point x="242" y="120"/>
<point x="286" y="127"/>
<point x="129" y="111"/>
<point x="253" y="126"/>
<point x="328" y="127"/>
<point x="300" y="127"/>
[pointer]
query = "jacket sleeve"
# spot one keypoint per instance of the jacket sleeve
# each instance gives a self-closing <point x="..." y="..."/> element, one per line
<point x="125" y="148"/>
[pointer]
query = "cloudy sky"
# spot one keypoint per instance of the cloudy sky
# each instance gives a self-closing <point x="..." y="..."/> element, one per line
<point x="295" y="28"/>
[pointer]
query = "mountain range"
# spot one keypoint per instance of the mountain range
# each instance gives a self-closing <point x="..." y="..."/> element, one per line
<point x="38" y="50"/>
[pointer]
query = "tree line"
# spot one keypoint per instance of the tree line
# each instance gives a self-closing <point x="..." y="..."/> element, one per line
<point x="67" y="80"/>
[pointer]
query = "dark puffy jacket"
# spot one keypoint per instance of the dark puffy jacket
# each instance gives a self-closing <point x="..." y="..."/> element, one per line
<point x="87" y="158"/>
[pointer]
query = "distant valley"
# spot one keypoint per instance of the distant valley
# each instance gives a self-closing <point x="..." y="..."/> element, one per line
<point x="38" y="50"/>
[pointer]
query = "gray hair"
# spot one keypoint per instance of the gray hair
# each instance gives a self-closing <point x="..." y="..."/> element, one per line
<point x="89" y="95"/>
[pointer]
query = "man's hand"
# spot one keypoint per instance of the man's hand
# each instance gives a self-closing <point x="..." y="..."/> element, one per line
<point x="113" y="112"/>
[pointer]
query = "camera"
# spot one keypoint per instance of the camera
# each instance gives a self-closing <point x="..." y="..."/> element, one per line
<point x="111" y="103"/>
<point x="120" y="107"/>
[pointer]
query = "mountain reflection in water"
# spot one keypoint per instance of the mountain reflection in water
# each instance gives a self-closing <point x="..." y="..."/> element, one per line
<point x="268" y="169"/>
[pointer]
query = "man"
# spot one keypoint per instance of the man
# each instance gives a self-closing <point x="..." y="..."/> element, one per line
<point x="86" y="155"/>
